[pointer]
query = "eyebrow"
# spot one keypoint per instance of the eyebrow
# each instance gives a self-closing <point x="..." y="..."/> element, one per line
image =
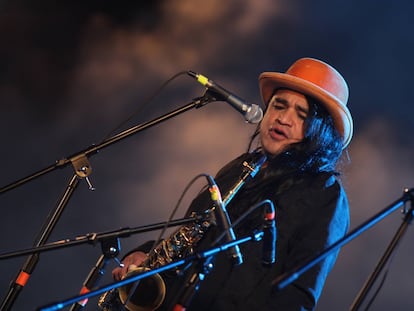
<point x="286" y="102"/>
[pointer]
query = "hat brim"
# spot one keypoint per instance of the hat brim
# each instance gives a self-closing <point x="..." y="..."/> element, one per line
<point x="270" y="81"/>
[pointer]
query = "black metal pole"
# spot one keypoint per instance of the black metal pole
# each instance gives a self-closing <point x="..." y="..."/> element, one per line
<point x="196" y="103"/>
<point x="91" y="280"/>
<point x="131" y="279"/>
<point x="93" y="238"/>
<point x="384" y="259"/>
<point x="290" y="276"/>
<point x="82" y="169"/>
<point x="17" y="285"/>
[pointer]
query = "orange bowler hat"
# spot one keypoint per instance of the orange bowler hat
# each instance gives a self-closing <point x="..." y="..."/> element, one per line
<point x="316" y="79"/>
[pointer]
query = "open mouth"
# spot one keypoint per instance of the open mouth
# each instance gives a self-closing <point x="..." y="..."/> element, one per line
<point x="278" y="132"/>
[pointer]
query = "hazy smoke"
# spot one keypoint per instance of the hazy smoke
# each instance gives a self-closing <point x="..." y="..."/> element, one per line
<point x="108" y="74"/>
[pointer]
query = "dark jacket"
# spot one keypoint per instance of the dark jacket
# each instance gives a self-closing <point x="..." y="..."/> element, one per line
<point x="311" y="213"/>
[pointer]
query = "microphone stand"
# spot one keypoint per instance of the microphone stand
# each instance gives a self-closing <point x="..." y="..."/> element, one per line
<point x="287" y="278"/>
<point x="106" y="238"/>
<point x="28" y="267"/>
<point x="82" y="169"/>
<point x="384" y="259"/>
<point x="204" y="267"/>
<point x="256" y="236"/>
<point x="81" y="156"/>
<point x="110" y="249"/>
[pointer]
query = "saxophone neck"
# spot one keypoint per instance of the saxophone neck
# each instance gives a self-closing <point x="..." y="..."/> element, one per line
<point x="249" y="171"/>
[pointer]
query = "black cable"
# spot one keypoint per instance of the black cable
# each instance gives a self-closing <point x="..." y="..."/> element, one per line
<point x="144" y="104"/>
<point x="176" y="208"/>
<point x="244" y="215"/>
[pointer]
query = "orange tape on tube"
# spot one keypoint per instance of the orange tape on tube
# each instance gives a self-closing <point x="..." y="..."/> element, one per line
<point x="22" y="278"/>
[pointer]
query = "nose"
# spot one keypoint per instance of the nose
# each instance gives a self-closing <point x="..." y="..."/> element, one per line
<point x="285" y="117"/>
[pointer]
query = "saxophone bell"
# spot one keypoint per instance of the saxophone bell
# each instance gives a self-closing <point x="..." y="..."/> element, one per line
<point x="147" y="295"/>
<point x="150" y="292"/>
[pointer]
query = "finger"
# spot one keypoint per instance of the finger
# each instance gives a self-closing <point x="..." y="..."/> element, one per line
<point x="115" y="274"/>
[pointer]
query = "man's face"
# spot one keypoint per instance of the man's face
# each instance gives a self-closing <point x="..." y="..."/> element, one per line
<point x="283" y="122"/>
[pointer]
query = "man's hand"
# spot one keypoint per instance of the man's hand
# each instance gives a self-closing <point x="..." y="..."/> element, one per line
<point x="132" y="260"/>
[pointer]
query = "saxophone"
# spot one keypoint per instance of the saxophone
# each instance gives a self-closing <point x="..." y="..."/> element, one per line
<point x="150" y="292"/>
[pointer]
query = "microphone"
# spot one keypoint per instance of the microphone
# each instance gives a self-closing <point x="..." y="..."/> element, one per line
<point x="224" y="221"/>
<point x="251" y="112"/>
<point x="269" y="237"/>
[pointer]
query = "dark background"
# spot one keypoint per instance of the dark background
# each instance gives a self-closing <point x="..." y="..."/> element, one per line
<point x="72" y="71"/>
